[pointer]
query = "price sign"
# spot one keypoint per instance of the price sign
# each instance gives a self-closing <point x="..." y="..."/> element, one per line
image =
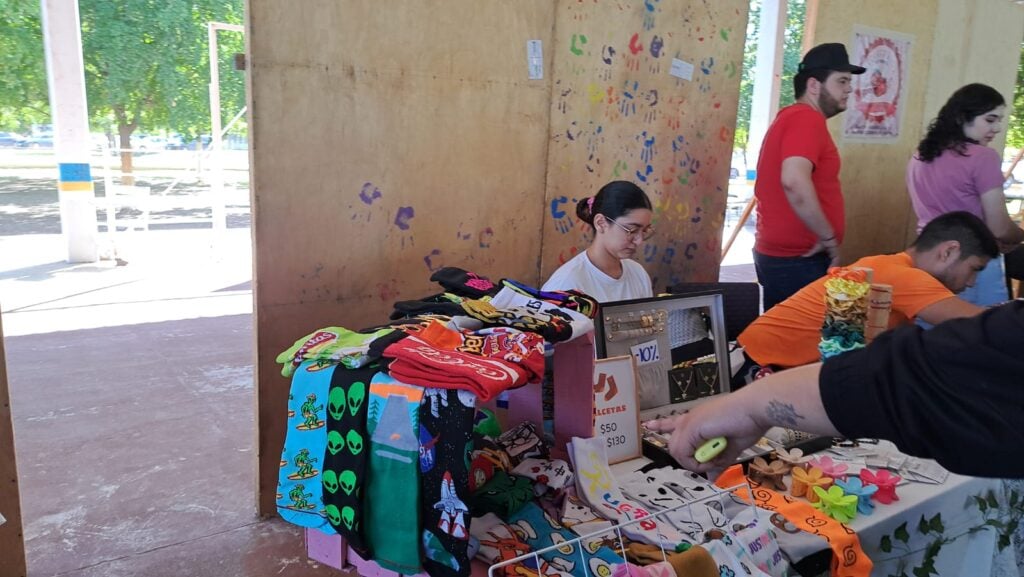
<point x="617" y="408"/>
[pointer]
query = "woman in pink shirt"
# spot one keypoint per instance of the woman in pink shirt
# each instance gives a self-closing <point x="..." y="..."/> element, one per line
<point x="954" y="169"/>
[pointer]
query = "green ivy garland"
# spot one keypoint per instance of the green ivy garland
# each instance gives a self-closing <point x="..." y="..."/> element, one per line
<point x="1003" y="519"/>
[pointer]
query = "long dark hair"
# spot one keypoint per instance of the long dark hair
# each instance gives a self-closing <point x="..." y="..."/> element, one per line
<point x="946" y="132"/>
<point x="613" y="200"/>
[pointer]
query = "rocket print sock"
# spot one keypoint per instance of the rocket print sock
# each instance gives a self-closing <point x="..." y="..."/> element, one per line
<point x="392" y="496"/>
<point x="570" y="299"/>
<point x="300" y="497"/>
<point x="446" y="440"/>
<point x="344" y="476"/>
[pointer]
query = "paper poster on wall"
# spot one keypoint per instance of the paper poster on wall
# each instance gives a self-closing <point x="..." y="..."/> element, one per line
<point x="617" y="408"/>
<point x="874" y="110"/>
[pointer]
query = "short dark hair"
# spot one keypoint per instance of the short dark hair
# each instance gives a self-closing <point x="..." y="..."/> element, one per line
<point x="614" y="199"/>
<point x="970" y="231"/>
<point x="946" y="131"/>
<point x="800" y="80"/>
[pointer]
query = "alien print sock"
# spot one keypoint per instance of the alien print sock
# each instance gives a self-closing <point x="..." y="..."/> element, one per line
<point x="344" y="477"/>
<point x="299" y="493"/>
<point x="446" y="441"/>
<point x="392" y="497"/>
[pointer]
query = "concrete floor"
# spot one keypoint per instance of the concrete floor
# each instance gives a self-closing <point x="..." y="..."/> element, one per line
<point x="132" y="396"/>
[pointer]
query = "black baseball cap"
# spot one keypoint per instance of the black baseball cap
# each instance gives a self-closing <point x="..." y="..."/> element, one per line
<point x="830" y="56"/>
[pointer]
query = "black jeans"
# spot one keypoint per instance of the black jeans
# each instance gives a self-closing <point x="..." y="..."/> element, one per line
<point x="780" y="277"/>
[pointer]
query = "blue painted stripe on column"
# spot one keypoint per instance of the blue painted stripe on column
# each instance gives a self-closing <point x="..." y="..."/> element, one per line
<point x="75" y="172"/>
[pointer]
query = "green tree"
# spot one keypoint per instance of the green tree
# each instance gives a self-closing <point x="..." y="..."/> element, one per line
<point x="23" y="99"/>
<point x="1015" y="126"/>
<point x="791" y="55"/>
<point x="146" y="64"/>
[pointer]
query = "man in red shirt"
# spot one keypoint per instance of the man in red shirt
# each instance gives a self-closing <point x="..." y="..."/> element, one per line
<point x="800" y="218"/>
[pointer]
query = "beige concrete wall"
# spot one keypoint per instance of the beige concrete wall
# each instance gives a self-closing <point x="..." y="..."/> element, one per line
<point x="877" y="206"/>
<point x="955" y="42"/>
<point x="390" y="138"/>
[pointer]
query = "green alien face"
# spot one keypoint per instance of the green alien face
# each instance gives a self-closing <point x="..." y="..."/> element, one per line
<point x="336" y="403"/>
<point x="335" y="442"/>
<point x="356" y="396"/>
<point x="333" y="515"/>
<point x="330" y="480"/>
<point x="355" y="442"/>
<point x="348" y="481"/>
<point x="348" y="516"/>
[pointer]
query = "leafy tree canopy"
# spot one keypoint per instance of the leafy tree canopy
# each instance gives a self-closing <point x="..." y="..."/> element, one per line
<point x="146" y="64"/>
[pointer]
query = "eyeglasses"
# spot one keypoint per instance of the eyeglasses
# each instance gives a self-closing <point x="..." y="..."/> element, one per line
<point x="634" y="233"/>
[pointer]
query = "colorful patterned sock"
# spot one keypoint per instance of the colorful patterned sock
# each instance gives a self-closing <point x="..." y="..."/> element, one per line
<point x="554" y="325"/>
<point x="487" y="459"/>
<point x="329" y="345"/>
<point x="503" y="495"/>
<point x="539" y="530"/>
<point x="344" y="477"/>
<point x="464" y="283"/>
<point x="392" y="520"/>
<point x="441" y="304"/>
<point x="553" y="474"/>
<point x="596" y="484"/>
<point x="509" y="298"/>
<point x="570" y="299"/>
<point x="507" y="344"/>
<point x="420" y="363"/>
<point x="446" y="440"/>
<point x="522" y="442"/>
<point x="694" y="562"/>
<point x="300" y="495"/>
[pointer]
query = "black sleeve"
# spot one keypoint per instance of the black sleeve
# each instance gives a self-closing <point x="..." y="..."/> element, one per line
<point x="954" y="393"/>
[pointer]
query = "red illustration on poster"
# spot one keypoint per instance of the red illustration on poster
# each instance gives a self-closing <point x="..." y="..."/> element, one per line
<point x="874" y="109"/>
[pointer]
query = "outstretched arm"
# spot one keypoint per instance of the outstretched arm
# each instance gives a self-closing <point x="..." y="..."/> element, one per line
<point x="788" y="399"/>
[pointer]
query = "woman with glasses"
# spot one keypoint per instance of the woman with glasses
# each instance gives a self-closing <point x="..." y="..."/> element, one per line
<point x="620" y="216"/>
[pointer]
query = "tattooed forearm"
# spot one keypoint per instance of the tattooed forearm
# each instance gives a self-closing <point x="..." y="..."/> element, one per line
<point x="782" y="413"/>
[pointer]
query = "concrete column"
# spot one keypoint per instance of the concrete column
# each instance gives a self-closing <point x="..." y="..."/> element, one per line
<point x="66" y="77"/>
<point x="767" y="73"/>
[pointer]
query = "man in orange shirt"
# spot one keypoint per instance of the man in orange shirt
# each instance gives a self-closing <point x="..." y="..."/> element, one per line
<point x="944" y="260"/>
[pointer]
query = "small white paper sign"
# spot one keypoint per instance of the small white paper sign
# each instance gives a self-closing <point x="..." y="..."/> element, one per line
<point x="535" y="59"/>
<point x="645" y="353"/>
<point x="617" y="408"/>
<point x="681" y="69"/>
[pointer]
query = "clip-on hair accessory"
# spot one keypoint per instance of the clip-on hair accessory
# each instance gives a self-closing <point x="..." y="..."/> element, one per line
<point x="829" y="468"/>
<point x="854" y="486"/>
<point x="836" y="504"/>
<point x="769" y="474"/>
<point x="795" y="458"/>
<point x="886" y="483"/>
<point x="804" y="480"/>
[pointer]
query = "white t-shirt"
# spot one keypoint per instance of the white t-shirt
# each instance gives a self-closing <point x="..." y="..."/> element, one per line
<point x="581" y="274"/>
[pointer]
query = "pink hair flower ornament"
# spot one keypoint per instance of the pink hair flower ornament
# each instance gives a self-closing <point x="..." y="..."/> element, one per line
<point x="886" y="483"/>
<point x="830" y="468"/>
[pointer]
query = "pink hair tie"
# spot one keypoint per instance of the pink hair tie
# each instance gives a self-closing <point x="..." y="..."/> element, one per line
<point x="590" y="204"/>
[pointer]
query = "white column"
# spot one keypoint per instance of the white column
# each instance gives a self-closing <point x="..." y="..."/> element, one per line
<point x="767" y="73"/>
<point x="66" y="78"/>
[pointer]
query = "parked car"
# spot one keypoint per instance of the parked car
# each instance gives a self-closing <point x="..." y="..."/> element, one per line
<point x="10" y="139"/>
<point x="738" y="166"/>
<point x="39" y="141"/>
